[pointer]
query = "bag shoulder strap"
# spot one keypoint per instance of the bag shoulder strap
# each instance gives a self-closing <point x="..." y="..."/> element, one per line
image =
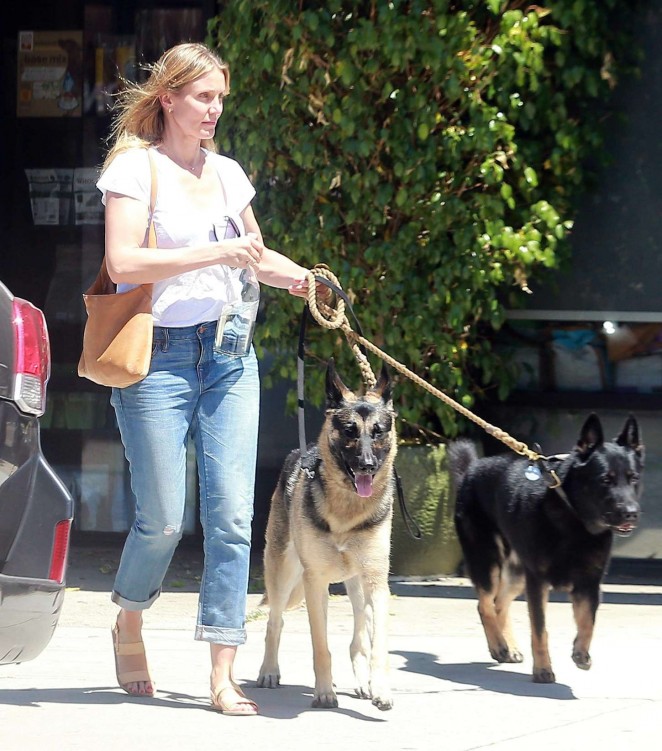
<point x="151" y="233"/>
<point x="103" y="284"/>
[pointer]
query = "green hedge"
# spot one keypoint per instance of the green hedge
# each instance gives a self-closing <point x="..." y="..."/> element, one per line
<point x="431" y="153"/>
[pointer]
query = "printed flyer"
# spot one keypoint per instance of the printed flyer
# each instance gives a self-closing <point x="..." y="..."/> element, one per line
<point x="50" y="74"/>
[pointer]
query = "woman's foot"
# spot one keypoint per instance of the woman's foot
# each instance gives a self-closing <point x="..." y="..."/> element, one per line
<point x="231" y="700"/>
<point x="226" y="696"/>
<point x="130" y="659"/>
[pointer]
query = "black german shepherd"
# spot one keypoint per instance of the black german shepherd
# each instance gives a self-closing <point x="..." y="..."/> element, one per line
<point x="333" y="524"/>
<point x="524" y="534"/>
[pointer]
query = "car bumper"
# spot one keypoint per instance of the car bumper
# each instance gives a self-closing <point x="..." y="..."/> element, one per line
<point x="29" y="612"/>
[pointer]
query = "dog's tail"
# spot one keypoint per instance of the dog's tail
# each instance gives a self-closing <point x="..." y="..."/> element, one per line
<point x="460" y="456"/>
<point x="295" y="600"/>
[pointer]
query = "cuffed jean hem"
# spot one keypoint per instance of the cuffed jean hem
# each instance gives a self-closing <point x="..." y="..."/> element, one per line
<point x="131" y="604"/>
<point x="228" y="637"/>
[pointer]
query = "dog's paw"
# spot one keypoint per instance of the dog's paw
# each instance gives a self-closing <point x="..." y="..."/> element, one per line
<point x="362" y="693"/>
<point x="268" y="680"/>
<point x="582" y="660"/>
<point x="543" y="675"/>
<point x="507" y="654"/>
<point x="327" y="700"/>
<point x="380" y="692"/>
<point x="383" y="702"/>
<point x="361" y="676"/>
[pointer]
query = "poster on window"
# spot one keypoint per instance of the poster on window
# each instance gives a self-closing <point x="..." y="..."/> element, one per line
<point x="88" y="208"/>
<point x="50" y="74"/>
<point x="51" y="195"/>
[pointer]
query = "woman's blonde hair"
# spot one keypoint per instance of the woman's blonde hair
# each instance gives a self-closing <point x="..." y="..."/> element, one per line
<point x="139" y="121"/>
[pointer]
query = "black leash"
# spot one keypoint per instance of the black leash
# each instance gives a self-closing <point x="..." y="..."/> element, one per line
<point x="412" y="527"/>
<point x="308" y="462"/>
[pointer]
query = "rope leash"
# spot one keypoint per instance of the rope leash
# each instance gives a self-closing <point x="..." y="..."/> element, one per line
<point x="308" y="462"/>
<point x="331" y="317"/>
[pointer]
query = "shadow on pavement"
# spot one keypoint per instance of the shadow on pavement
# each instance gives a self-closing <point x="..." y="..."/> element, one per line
<point x="483" y="675"/>
<point x="284" y="703"/>
<point x="110" y="695"/>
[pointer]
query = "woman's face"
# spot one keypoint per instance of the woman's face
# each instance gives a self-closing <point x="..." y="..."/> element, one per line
<point x="194" y="110"/>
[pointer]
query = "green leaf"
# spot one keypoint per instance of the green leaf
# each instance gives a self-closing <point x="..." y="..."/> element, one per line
<point x="531" y="177"/>
<point x="431" y="154"/>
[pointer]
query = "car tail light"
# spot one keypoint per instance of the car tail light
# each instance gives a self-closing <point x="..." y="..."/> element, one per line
<point x="60" y="550"/>
<point x="32" y="359"/>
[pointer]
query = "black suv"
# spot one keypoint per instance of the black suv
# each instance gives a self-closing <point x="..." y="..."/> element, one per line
<point x="36" y="509"/>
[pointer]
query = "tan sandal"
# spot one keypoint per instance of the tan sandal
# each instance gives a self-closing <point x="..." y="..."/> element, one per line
<point x="131" y="664"/>
<point x="232" y="709"/>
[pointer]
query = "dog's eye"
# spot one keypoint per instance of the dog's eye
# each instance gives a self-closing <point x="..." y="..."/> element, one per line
<point x="377" y="431"/>
<point x="608" y="479"/>
<point x="633" y="477"/>
<point x="351" y="431"/>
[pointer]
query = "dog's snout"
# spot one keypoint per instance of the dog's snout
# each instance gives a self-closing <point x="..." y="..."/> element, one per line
<point x="630" y="508"/>
<point x="624" y="518"/>
<point x="367" y="461"/>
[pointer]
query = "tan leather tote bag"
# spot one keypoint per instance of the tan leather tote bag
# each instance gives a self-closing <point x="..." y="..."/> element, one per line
<point x="118" y="334"/>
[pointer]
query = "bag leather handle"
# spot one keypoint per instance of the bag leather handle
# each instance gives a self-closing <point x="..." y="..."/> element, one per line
<point x="103" y="276"/>
<point x="151" y="234"/>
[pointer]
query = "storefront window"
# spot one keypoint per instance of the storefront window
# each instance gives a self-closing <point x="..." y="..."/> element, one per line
<point x="61" y="66"/>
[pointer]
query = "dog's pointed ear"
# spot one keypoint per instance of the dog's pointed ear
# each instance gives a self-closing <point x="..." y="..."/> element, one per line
<point x="591" y="435"/>
<point x="383" y="387"/>
<point x="336" y="391"/>
<point x="630" y="437"/>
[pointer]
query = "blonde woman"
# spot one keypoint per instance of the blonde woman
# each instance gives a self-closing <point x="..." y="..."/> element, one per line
<point x="206" y="234"/>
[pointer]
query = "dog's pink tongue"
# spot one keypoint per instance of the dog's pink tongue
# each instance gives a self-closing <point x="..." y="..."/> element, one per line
<point x="364" y="485"/>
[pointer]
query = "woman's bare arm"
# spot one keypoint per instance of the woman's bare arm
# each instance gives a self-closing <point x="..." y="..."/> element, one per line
<point x="129" y="261"/>
<point x="276" y="269"/>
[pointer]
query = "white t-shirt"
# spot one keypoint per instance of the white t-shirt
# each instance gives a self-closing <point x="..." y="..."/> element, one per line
<point x="194" y="296"/>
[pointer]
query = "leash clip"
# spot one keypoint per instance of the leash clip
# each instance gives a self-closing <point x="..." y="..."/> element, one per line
<point x="556" y="483"/>
<point x="546" y="461"/>
<point x="532" y="472"/>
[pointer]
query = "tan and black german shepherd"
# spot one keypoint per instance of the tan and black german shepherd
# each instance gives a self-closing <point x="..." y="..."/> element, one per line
<point x="333" y="524"/>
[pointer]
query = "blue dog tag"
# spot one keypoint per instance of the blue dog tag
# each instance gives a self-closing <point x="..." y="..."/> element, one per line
<point x="532" y="473"/>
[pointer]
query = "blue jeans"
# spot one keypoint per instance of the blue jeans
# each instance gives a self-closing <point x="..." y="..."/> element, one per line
<point x="214" y="398"/>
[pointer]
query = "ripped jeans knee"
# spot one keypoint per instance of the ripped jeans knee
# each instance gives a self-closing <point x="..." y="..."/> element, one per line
<point x="147" y="554"/>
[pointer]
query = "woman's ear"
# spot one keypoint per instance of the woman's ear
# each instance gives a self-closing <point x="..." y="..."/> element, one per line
<point x="166" y="102"/>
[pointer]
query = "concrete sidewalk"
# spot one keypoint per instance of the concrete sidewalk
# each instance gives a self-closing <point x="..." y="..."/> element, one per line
<point x="448" y="692"/>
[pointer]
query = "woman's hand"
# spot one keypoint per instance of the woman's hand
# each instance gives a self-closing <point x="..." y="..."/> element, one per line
<point x="300" y="289"/>
<point x="241" y="252"/>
